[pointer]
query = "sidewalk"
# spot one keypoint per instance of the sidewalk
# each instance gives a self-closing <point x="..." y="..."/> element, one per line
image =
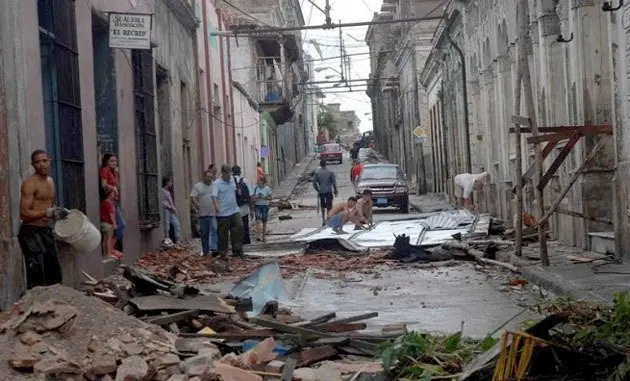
<point x="286" y="186"/>
<point x="596" y="281"/>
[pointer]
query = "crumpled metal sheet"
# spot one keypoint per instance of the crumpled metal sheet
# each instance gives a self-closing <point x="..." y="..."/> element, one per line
<point x="427" y="230"/>
<point x="448" y="219"/>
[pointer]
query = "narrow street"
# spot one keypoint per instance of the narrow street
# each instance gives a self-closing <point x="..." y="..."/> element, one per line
<point x="438" y="299"/>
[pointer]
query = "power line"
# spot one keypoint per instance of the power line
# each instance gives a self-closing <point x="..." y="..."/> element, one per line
<point x="257" y="31"/>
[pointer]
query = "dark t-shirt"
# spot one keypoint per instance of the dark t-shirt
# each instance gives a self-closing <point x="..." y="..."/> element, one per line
<point x="354" y="153"/>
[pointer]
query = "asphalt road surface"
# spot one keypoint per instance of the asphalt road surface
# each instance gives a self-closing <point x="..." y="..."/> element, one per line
<point x="434" y="300"/>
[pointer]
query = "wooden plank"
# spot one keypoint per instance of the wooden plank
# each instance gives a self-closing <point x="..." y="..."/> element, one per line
<point x="245" y="335"/>
<point x="532" y="168"/>
<point x="318" y="320"/>
<point x="356" y="318"/>
<point x="581" y="215"/>
<point x="522" y="12"/>
<point x="317" y="354"/>
<point x="572" y="181"/>
<point x="340" y="327"/>
<point x="173" y="318"/>
<point x="521" y="120"/>
<point x="289" y="328"/>
<point x="553" y="168"/>
<point x="364" y="346"/>
<point x="336" y="341"/>
<point x="590" y="128"/>
<point x="549" y="137"/>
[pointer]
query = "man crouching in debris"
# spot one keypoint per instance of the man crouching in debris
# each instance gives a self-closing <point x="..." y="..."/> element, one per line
<point x="465" y="183"/>
<point x="364" y="210"/>
<point x="38" y="211"/>
<point x="342" y="213"/>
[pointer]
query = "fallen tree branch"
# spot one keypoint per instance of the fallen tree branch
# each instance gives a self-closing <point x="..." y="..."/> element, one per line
<point x="491" y="242"/>
<point x="477" y="254"/>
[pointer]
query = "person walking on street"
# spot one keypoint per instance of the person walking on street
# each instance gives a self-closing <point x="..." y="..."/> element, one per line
<point x="172" y="227"/>
<point x="229" y="220"/>
<point x="354" y="151"/>
<point x="325" y="183"/>
<point x="244" y="201"/>
<point x="201" y="197"/>
<point x="262" y="196"/>
<point x="38" y="212"/>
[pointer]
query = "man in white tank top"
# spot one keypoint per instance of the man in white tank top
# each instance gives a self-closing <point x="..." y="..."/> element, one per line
<point x="465" y="183"/>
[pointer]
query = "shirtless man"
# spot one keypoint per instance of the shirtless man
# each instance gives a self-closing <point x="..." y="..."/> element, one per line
<point x="38" y="212"/>
<point x="364" y="210"/>
<point x="342" y="213"/>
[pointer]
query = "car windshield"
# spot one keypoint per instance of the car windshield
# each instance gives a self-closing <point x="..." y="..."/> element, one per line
<point x="378" y="173"/>
<point x="331" y="148"/>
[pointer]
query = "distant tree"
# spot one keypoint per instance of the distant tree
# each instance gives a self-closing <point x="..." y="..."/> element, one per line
<point x="326" y="120"/>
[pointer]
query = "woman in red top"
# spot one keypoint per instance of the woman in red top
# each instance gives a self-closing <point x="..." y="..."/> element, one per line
<point x="108" y="177"/>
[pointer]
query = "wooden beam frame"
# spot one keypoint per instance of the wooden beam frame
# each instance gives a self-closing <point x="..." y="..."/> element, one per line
<point x="566" y="150"/>
<point x="601" y="128"/>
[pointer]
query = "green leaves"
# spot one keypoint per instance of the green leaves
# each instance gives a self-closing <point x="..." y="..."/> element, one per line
<point x="421" y="356"/>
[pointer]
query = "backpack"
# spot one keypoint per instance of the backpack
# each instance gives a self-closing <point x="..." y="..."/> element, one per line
<point x="242" y="192"/>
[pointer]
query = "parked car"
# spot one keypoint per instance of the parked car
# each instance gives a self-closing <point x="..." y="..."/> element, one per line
<point x="388" y="186"/>
<point x="331" y="152"/>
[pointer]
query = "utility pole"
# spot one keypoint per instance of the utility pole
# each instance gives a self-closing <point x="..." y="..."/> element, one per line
<point x="531" y="113"/>
<point x="341" y="57"/>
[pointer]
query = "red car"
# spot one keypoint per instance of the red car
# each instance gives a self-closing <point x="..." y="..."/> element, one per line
<point x="331" y="152"/>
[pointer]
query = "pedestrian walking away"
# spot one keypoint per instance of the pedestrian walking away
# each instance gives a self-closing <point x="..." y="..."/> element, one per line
<point x="201" y="197"/>
<point x="354" y="151"/>
<point x="465" y="183"/>
<point x="172" y="226"/>
<point x="110" y="180"/>
<point x="229" y="220"/>
<point x="262" y="195"/>
<point x="38" y="212"/>
<point x="244" y="201"/>
<point x="325" y="183"/>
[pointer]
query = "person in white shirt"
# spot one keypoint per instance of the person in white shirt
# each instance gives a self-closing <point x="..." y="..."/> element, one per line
<point x="465" y="183"/>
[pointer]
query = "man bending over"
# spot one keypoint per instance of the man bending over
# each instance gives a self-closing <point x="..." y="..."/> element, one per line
<point x="342" y="213"/>
<point x="465" y="183"/>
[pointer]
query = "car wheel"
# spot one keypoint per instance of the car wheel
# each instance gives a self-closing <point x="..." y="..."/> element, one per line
<point x="340" y="161"/>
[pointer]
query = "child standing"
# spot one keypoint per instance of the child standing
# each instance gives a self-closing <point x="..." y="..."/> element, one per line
<point x="355" y="171"/>
<point x="108" y="223"/>
<point x="262" y="196"/>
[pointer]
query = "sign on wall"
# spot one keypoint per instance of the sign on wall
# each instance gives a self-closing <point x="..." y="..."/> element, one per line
<point x="130" y="30"/>
<point x="420" y="134"/>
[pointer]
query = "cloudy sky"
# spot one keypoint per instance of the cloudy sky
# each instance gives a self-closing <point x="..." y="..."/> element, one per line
<point x="328" y="40"/>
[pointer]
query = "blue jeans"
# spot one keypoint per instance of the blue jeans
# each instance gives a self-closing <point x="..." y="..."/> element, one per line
<point x="120" y="222"/>
<point x="336" y="221"/>
<point x="209" y="235"/>
<point x="172" y="227"/>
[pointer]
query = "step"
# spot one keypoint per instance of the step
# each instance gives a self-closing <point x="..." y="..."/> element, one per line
<point x="601" y="242"/>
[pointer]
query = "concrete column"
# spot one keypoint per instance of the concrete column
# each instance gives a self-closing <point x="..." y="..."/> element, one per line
<point x="620" y="33"/>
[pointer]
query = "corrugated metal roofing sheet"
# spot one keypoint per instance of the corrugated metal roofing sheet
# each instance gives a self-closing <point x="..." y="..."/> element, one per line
<point x="428" y="230"/>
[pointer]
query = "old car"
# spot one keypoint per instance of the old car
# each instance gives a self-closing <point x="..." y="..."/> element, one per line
<point x="331" y="152"/>
<point x="388" y="186"/>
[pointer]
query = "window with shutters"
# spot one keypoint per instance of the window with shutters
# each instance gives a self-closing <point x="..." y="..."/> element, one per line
<point x="62" y="99"/>
<point x="146" y="139"/>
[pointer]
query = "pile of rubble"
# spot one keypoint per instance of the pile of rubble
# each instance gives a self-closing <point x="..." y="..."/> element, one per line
<point x="186" y="266"/>
<point x="138" y="326"/>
